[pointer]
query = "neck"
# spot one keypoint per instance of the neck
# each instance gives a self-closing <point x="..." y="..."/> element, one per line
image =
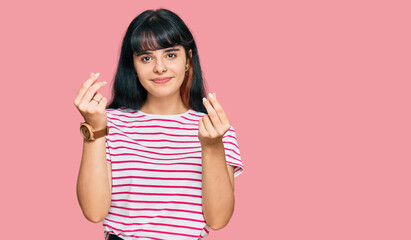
<point x="164" y="106"/>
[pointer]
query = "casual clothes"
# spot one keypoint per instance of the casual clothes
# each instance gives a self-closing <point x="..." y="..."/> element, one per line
<point x="156" y="174"/>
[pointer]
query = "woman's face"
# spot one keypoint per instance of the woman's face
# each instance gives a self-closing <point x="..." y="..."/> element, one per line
<point x="167" y="62"/>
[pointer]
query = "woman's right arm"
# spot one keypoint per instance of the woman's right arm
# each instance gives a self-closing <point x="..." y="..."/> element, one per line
<point x="94" y="177"/>
<point x="94" y="181"/>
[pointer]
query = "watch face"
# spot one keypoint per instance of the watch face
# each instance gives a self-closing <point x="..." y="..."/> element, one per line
<point x="85" y="132"/>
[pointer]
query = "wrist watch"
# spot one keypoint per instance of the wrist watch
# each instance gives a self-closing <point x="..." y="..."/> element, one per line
<point x="89" y="134"/>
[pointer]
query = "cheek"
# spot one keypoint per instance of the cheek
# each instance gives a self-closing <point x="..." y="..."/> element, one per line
<point x="179" y="68"/>
<point x="180" y="73"/>
<point x="141" y="70"/>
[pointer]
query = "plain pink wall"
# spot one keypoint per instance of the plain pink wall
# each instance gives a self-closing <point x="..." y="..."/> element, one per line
<point x="318" y="92"/>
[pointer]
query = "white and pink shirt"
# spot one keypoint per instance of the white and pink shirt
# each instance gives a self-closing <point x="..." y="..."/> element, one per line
<point x="156" y="174"/>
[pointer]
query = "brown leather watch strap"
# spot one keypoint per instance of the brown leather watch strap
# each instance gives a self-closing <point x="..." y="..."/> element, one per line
<point x="100" y="133"/>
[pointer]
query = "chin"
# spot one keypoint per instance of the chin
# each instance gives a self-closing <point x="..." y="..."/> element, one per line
<point x="160" y="93"/>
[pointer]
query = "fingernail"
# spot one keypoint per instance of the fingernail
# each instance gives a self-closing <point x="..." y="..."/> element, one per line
<point x="104" y="82"/>
<point x="204" y="99"/>
<point x="214" y="95"/>
<point x="97" y="74"/>
<point x="210" y="95"/>
<point x="91" y="74"/>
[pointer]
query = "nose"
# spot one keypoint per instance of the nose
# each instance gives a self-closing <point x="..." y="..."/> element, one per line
<point x="159" y="66"/>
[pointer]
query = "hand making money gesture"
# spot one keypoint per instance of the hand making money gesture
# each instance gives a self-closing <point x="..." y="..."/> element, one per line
<point x="213" y="126"/>
<point x="92" y="104"/>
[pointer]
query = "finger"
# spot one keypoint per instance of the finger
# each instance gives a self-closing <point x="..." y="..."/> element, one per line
<point x="84" y="87"/>
<point x="211" y="112"/>
<point x="219" y="109"/>
<point x="201" y="129"/>
<point x="209" y="126"/>
<point x="91" y="91"/>
<point x="97" y="97"/>
<point x="93" y="103"/>
<point x="102" y="105"/>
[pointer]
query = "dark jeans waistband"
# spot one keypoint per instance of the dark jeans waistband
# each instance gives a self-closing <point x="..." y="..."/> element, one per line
<point x="113" y="237"/>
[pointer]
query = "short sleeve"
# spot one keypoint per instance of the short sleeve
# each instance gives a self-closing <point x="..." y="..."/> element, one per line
<point x="232" y="151"/>
<point x="108" y="155"/>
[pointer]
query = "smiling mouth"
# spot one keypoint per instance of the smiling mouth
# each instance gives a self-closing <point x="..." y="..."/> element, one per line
<point x="161" y="80"/>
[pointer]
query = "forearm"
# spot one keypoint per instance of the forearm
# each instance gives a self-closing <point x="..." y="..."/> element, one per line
<point x="217" y="188"/>
<point x="93" y="186"/>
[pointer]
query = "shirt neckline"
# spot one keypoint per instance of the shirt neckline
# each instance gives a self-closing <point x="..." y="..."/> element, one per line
<point x="165" y="115"/>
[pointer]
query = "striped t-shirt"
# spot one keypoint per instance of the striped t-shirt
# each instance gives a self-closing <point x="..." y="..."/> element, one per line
<point x="156" y="174"/>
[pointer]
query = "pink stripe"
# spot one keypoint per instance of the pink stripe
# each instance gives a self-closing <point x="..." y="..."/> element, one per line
<point x="136" y="161"/>
<point x="194" y="164"/>
<point x="231" y="163"/>
<point x="161" y="133"/>
<point x="146" y="230"/>
<point x="159" y="194"/>
<point x="117" y="126"/>
<point x="179" y="153"/>
<point x="114" y="125"/>
<point x="137" y="201"/>
<point x="149" y="140"/>
<point x="152" y="223"/>
<point x="205" y="229"/>
<point x="165" y="140"/>
<point x="159" y="186"/>
<point x="155" y="119"/>
<point x="164" y="154"/>
<point x="122" y="115"/>
<point x="157" y="178"/>
<point x="188" y="119"/>
<point x="233" y="158"/>
<point x="161" y="159"/>
<point x="135" y="143"/>
<point x="225" y="142"/>
<point x="158" y="216"/>
<point x="226" y="149"/>
<point x="155" y="170"/>
<point x="196" y="115"/>
<point x="154" y="209"/>
<point x="229" y="136"/>
<point x="123" y="109"/>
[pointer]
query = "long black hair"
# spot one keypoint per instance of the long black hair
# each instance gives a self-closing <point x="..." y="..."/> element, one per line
<point x="152" y="30"/>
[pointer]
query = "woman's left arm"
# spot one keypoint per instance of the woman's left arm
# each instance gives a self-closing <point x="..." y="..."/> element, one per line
<point x="217" y="175"/>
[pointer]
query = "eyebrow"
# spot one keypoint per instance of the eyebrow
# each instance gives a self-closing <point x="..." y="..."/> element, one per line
<point x="149" y="52"/>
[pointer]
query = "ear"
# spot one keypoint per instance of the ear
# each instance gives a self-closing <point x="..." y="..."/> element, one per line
<point x="191" y="57"/>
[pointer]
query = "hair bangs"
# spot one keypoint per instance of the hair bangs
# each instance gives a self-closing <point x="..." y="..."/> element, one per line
<point x="154" y="34"/>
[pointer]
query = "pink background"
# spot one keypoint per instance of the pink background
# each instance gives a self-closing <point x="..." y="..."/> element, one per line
<point x="318" y="92"/>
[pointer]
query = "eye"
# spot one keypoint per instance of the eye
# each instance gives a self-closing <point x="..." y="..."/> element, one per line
<point x="144" y="58"/>
<point x="172" y="54"/>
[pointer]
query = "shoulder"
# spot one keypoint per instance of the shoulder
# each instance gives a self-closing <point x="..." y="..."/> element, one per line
<point x="195" y="115"/>
<point x="121" y="111"/>
<point x="121" y="116"/>
<point x="195" y="112"/>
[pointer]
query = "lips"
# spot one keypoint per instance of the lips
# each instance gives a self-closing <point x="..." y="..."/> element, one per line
<point x="161" y="79"/>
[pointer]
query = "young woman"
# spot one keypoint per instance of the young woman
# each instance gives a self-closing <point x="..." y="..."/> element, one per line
<point x="159" y="161"/>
